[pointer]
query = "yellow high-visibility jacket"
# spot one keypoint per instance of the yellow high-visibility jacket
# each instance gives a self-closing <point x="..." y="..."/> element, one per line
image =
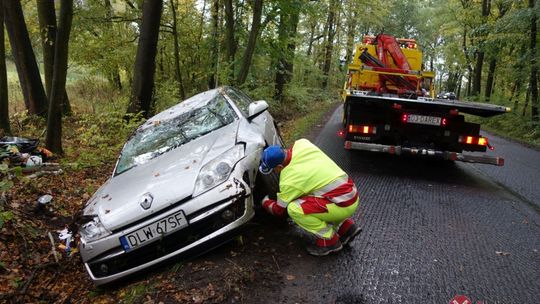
<point x="309" y="169"/>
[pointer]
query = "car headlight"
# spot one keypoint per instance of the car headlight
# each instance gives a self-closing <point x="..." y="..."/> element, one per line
<point x="93" y="230"/>
<point x="218" y="170"/>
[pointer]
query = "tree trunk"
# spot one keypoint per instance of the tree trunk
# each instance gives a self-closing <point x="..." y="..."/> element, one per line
<point x="467" y="56"/>
<point x="178" y="74"/>
<point x="145" y="60"/>
<point x="250" y="48"/>
<point x="25" y="60"/>
<point x="53" y="140"/>
<point x="469" y="80"/>
<point x="311" y="39"/>
<point x="490" y="77"/>
<point x="229" y="37"/>
<point x="533" y="82"/>
<point x="114" y="75"/>
<point x="516" y="88"/>
<point x="286" y="47"/>
<point x="458" y="93"/>
<point x="47" y="30"/>
<point x="477" y="80"/>
<point x="329" y="47"/>
<point x="214" y="53"/>
<point x="4" y="106"/>
<point x="526" y="104"/>
<point x="477" y="76"/>
<point x="351" y="34"/>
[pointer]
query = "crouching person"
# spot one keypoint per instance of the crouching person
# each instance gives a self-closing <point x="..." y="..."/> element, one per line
<point x="314" y="191"/>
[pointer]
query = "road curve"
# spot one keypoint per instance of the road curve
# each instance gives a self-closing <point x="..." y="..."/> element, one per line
<point x="432" y="230"/>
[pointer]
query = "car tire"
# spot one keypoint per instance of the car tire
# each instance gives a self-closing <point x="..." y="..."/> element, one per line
<point x="265" y="185"/>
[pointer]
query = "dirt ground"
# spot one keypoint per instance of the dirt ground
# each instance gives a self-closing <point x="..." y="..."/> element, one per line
<point x="248" y="269"/>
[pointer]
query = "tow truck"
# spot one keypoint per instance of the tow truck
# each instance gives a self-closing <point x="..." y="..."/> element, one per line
<point x="390" y="106"/>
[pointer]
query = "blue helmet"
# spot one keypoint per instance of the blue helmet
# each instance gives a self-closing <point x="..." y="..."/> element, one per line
<point x="272" y="156"/>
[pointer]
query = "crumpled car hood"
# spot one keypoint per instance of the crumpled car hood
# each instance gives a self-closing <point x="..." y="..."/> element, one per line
<point x="169" y="178"/>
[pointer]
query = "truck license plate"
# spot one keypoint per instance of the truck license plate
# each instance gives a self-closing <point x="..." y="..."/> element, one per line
<point x="154" y="231"/>
<point x="424" y="120"/>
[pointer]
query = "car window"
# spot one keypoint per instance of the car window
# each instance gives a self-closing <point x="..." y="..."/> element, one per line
<point x="241" y="100"/>
<point x="164" y="136"/>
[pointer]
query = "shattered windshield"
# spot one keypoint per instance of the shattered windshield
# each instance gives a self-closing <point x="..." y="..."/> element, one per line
<point x="164" y="136"/>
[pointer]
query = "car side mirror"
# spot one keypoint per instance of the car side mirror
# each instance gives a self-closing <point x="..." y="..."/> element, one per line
<point x="256" y="108"/>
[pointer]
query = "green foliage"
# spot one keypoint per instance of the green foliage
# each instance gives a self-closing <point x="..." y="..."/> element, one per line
<point x="512" y="125"/>
<point x="300" y="127"/>
<point x="5" y="182"/>
<point x="101" y="136"/>
<point x="5" y="216"/>
<point x="166" y="94"/>
<point x="135" y="293"/>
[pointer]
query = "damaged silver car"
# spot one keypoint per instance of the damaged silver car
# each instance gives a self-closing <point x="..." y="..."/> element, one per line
<point x="184" y="183"/>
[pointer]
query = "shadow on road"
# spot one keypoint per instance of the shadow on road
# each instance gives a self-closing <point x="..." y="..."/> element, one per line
<point x="414" y="168"/>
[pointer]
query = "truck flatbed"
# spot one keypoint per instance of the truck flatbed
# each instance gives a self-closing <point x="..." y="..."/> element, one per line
<point x="473" y="108"/>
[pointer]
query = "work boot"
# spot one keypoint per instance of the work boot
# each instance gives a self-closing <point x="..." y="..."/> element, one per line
<point x="348" y="231"/>
<point x="325" y="247"/>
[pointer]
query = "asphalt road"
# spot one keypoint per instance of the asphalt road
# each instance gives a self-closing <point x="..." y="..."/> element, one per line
<point x="432" y="230"/>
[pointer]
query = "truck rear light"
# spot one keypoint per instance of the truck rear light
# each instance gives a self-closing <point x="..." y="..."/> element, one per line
<point x="396" y="106"/>
<point x="472" y="140"/>
<point x="482" y="141"/>
<point x="444" y="122"/>
<point x="362" y="129"/>
<point x="454" y="112"/>
<point x="404" y="117"/>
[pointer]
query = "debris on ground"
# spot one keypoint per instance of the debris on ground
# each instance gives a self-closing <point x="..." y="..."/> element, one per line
<point x="26" y="156"/>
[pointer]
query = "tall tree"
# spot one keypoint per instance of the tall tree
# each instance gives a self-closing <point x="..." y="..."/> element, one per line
<point x="330" y="34"/>
<point x="288" y="23"/>
<point x="53" y="140"/>
<point x="477" y="80"/>
<point x="47" y="30"/>
<point x="178" y="73"/>
<point x="114" y="73"/>
<point x="352" y="21"/>
<point x="4" y="113"/>
<point x="214" y="52"/>
<point x="25" y="60"/>
<point x="502" y="8"/>
<point x="230" y="41"/>
<point x="145" y="60"/>
<point x="490" y="78"/>
<point x="250" y="48"/>
<point x="533" y="82"/>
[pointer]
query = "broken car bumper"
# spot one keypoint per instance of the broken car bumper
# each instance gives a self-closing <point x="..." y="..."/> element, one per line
<point x="211" y="219"/>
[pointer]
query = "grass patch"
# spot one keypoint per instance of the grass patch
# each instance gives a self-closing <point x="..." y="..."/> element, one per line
<point x="511" y="125"/>
<point x="300" y="126"/>
<point x="135" y="293"/>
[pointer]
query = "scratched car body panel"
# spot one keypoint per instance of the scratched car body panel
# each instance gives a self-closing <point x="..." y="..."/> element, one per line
<point x="184" y="181"/>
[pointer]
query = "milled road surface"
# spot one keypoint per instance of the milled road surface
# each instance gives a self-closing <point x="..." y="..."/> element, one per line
<point x="432" y="230"/>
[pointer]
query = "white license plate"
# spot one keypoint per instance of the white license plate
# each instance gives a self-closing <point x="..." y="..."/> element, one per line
<point x="424" y="120"/>
<point x="154" y="231"/>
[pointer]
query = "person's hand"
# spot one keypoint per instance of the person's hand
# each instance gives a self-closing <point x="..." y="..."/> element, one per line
<point x="272" y="207"/>
<point x="267" y="204"/>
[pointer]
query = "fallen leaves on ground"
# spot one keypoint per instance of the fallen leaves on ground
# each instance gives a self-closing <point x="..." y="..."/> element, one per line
<point x="29" y="272"/>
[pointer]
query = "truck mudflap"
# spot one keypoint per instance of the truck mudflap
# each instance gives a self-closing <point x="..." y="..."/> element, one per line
<point x="446" y="155"/>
